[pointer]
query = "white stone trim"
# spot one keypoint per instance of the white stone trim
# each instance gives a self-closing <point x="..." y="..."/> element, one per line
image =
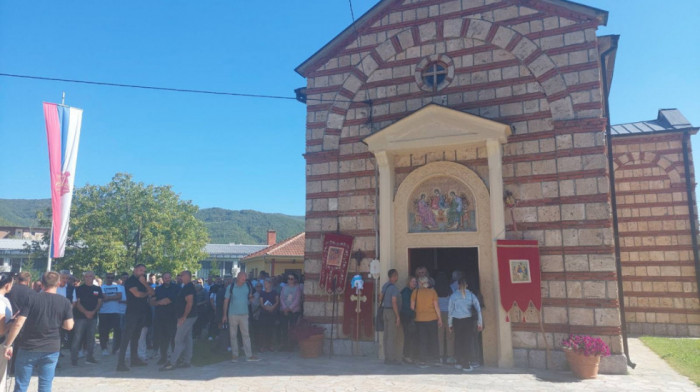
<point x="437" y="128"/>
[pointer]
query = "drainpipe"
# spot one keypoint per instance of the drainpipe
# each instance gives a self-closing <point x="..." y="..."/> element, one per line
<point x="691" y="207"/>
<point x="613" y="201"/>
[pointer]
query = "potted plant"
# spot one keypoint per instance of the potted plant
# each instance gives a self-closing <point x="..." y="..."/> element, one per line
<point x="583" y="353"/>
<point x="310" y="338"/>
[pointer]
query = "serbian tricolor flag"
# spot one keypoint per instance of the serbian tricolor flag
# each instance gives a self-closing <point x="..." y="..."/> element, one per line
<point x="63" y="133"/>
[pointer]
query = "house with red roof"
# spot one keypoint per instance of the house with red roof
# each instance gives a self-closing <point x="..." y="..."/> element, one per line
<point x="277" y="258"/>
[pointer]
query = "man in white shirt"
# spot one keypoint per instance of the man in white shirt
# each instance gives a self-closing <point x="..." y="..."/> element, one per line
<point x="110" y="314"/>
<point x="63" y="284"/>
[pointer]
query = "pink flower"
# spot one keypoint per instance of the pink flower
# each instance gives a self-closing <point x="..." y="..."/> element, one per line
<point x="586" y="345"/>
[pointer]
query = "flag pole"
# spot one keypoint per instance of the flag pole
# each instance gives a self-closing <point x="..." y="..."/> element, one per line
<point x="48" y="254"/>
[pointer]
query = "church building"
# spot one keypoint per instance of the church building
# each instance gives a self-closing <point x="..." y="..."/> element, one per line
<point x="437" y="127"/>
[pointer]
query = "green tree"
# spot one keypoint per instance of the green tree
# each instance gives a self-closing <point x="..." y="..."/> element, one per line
<point x="115" y="226"/>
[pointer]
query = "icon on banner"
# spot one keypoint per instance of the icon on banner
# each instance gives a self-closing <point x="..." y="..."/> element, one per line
<point x="520" y="271"/>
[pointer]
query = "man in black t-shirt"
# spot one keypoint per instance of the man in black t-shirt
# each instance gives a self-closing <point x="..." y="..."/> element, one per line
<point x="39" y="346"/>
<point x="21" y="291"/>
<point x="186" y="312"/>
<point x="165" y="321"/>
<point x="137" y="311"/>
<point x="87" y="304"/>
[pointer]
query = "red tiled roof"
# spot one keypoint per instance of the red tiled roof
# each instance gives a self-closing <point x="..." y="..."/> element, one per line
<point x="293" y="246"/>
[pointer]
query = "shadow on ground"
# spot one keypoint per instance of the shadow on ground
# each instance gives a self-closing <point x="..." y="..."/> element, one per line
<point x="289" y="364"/>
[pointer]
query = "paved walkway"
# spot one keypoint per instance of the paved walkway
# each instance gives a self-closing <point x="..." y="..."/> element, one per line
<point x="289" y="372"/>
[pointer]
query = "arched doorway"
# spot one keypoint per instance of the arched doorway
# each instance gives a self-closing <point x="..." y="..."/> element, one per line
<point x="438" y="131"/>
<point x="475" y="235"/>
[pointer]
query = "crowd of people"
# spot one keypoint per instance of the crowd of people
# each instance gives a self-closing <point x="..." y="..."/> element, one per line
<point x="147" y="316"/>
<point x="431" y="320"/>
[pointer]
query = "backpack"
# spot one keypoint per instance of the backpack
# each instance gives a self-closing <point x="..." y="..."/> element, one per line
<point x="250" y="291"/>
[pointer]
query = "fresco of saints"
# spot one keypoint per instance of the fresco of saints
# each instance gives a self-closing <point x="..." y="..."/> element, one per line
<point x="427" y="218"/>
<point x="456" y="211"/>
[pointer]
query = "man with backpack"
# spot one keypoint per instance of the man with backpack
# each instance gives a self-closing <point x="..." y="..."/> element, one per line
<point x="238" y="296"/>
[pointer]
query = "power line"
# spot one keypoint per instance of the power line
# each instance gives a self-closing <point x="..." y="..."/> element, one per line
<point x="352" y="14"/>
<point x="170" y="89"/>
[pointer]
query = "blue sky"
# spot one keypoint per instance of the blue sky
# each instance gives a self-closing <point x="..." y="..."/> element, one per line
<point x="242" y="153"/>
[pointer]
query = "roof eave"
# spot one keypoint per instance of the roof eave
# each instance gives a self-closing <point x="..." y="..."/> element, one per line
<point x="345" y="35"/>
<point x="600" y="15"/>
<point x="349" y="33"/>
<point x="690" y="130"/>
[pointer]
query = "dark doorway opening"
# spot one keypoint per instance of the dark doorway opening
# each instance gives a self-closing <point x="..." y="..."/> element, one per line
<point x="448" y="260"/>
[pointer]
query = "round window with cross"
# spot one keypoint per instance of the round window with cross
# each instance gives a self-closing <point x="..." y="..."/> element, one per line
<point x="434" y="74"/>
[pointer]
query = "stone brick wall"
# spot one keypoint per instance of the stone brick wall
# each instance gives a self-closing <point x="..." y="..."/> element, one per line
<point x="535" y="67"/>
<point x="659" y="283"/>
<point x="474" y="158"/>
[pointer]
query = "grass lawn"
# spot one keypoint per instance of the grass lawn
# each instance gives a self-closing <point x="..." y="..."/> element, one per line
<point x="682" y="354"/>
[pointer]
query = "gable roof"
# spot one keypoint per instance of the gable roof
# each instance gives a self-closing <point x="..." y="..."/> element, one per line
<point x="293" y="246"/>
<point x="668" y="120"/>
<point x="370" y="17"/>
<point x="436" y="125"/>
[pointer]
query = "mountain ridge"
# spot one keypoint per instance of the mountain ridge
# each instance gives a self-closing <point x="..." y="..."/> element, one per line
<point x="224" y="225"/>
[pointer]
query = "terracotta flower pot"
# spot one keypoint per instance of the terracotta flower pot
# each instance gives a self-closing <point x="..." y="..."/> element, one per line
<point x="311" y="347"/>
<point x="584" y="367"/>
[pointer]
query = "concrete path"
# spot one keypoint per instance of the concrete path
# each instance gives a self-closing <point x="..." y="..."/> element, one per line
<point x="289" y="372"/>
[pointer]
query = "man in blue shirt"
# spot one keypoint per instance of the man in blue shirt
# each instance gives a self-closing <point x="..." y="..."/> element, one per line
<point x="238" y="296"/>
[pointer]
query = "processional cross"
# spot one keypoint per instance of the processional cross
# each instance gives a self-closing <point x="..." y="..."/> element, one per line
<point x="358" y="298"/>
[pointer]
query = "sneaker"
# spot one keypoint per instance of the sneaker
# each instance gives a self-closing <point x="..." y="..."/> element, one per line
<point x="458" y="366"/>
<point x="451" y="360"/>
<point x="234" y="359"/>
<point x="423" y="365"/>
<point x="253" y="359"/>
<point x="475" y="365"/>
<point x="408" y="360"/>
<point x="91" y="360"/>
<point x="105" y="352"/>
<point x="122" y="368"/>
<point x="467" y="369"/>
<point x="162" y="361"/>
<point x="168" y="366"/>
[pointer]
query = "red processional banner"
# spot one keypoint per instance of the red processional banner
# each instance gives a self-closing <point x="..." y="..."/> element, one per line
<point x="357" y="311"/>
<point x="336" y="256"/>
<point x="519" y="274"/>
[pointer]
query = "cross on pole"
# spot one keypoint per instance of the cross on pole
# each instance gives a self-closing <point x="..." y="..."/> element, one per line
<point x="358" y="298"/>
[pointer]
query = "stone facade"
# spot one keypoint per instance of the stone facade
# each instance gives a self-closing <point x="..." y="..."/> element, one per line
<point x="658" y="270"/>
<point x="533" y="65"/>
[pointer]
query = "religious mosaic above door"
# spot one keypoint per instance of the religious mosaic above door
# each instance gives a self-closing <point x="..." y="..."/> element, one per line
<point x="441" y="204"/>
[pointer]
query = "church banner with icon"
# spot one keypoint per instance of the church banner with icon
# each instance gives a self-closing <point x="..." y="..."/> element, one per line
<point x="336" y="256"/>
<point x="357" y="310"/>
<point x="519" y="274"/>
